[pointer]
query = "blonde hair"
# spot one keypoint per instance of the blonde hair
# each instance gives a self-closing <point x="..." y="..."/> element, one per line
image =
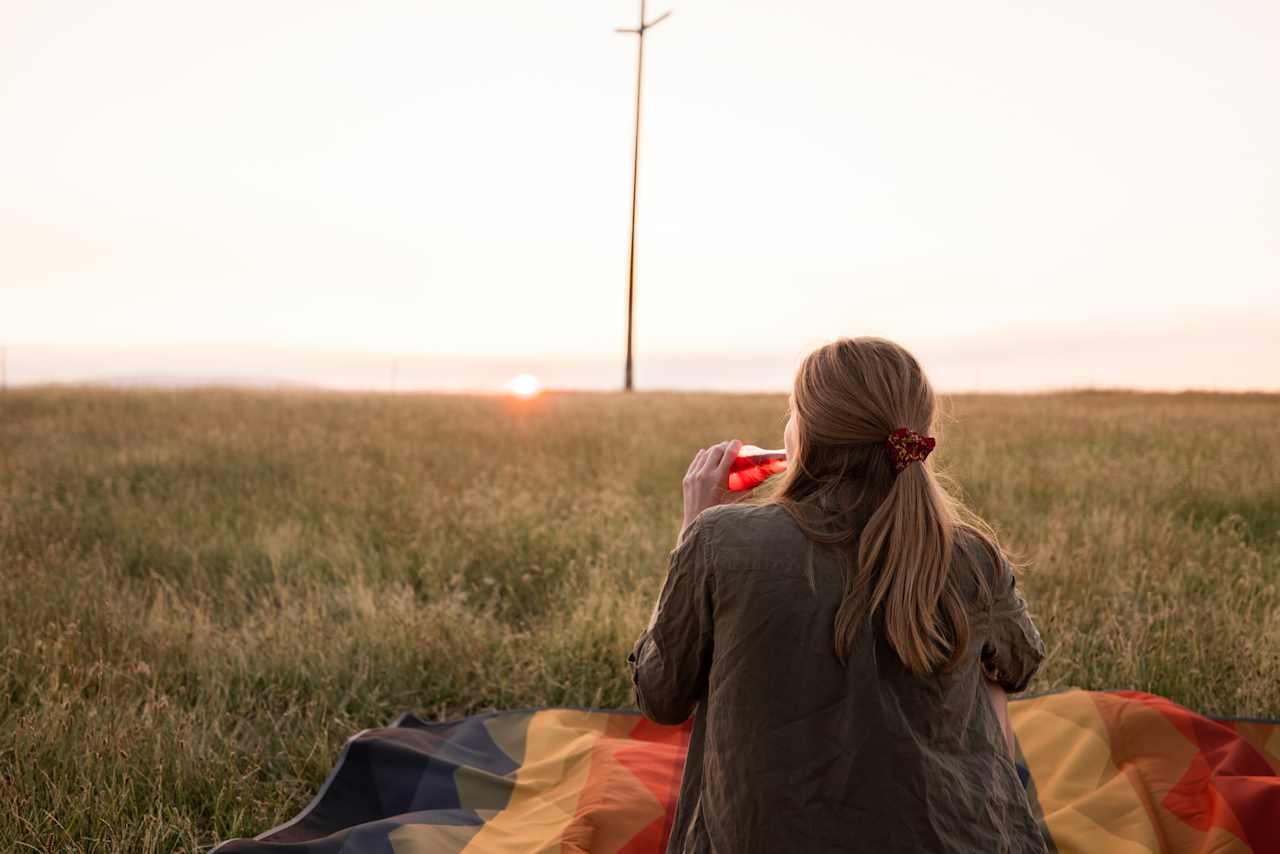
<point x="914" y="540"/>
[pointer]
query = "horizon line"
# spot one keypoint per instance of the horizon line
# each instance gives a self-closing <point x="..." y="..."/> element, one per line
<point x="294" y="387"/>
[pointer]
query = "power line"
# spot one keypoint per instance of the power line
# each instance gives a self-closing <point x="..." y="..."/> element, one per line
<point x="635" y="177"/>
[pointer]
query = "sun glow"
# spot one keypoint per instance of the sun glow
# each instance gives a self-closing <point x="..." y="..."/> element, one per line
<point x="524" y="385"/>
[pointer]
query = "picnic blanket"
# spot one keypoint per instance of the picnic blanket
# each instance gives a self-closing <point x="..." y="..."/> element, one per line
<point x="1105" y="771"/>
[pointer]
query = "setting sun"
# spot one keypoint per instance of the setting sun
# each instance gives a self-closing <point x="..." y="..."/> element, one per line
<point x="524" y="385"/>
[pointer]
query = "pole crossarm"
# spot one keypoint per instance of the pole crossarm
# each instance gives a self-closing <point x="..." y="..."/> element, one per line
<point x="640" y="29"/>
<point x="658" y="20"/>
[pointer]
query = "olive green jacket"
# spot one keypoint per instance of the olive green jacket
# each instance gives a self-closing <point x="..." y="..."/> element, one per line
<point x="792" y="752"/>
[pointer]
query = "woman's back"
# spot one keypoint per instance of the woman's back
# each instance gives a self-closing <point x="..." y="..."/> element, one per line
<point x="793" y="751"/>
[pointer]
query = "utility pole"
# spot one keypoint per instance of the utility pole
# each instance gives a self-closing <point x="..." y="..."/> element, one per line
<point x="635" y="176"/>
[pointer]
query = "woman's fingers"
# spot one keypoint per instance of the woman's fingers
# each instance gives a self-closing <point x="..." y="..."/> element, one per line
<point x="713" y="463"/>
<point x="712" y="459"/>
<point x="696" y="464"/>
<point x="707" y="478"/>
<point x="719" y="457"/>
<point x="726" y="459"/>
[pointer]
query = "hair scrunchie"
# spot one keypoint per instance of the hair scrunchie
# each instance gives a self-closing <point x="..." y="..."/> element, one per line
<point x="906" y="446"/>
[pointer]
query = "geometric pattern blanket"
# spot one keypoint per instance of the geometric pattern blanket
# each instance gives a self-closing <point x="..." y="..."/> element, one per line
<point x="1105" y="771"/>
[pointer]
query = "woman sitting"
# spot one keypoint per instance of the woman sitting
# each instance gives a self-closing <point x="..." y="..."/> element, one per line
<point x="835" y="640"/>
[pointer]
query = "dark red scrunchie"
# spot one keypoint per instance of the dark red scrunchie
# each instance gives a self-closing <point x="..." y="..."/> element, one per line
<point x="907" y="446"/>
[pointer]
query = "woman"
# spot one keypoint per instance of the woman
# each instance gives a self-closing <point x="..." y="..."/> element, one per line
<point x="834" y="639"/>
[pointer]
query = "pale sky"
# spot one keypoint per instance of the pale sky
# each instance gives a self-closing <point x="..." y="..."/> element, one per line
<point x="1027" y="195"/>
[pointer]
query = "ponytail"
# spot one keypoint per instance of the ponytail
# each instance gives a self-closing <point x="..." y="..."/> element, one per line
<point x="903" y="571"/>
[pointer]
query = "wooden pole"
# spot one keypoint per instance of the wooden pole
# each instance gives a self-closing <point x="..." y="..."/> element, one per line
<point x="635" y="183"/>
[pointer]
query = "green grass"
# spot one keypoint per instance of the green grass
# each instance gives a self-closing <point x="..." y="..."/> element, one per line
<point x="204" y="593"/>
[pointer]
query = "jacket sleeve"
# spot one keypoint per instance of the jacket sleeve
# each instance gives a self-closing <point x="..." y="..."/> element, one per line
<point x="671" y="659"/>
<point x="1013" y="651"/>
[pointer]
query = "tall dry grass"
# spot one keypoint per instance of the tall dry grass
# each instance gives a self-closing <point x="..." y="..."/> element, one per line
<point x="204" y="593"/>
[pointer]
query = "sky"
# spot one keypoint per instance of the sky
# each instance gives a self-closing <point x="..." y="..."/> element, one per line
<point x="437" y="195"/>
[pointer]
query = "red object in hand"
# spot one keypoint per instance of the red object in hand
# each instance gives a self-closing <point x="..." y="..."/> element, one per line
<point x="753" y="466"/>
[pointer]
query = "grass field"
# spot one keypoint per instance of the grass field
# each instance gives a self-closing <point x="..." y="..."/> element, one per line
<point x="204" y="593"/>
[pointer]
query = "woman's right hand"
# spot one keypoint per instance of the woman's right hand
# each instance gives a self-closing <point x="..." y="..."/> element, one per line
<point x="706" y="483"/>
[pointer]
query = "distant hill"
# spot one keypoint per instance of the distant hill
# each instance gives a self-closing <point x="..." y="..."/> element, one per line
<point x="209" y="381"/>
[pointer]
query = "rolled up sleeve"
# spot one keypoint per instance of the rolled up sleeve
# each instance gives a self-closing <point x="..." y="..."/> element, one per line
<point x="671" y="659"/>
<point x="1014" y="650"/>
